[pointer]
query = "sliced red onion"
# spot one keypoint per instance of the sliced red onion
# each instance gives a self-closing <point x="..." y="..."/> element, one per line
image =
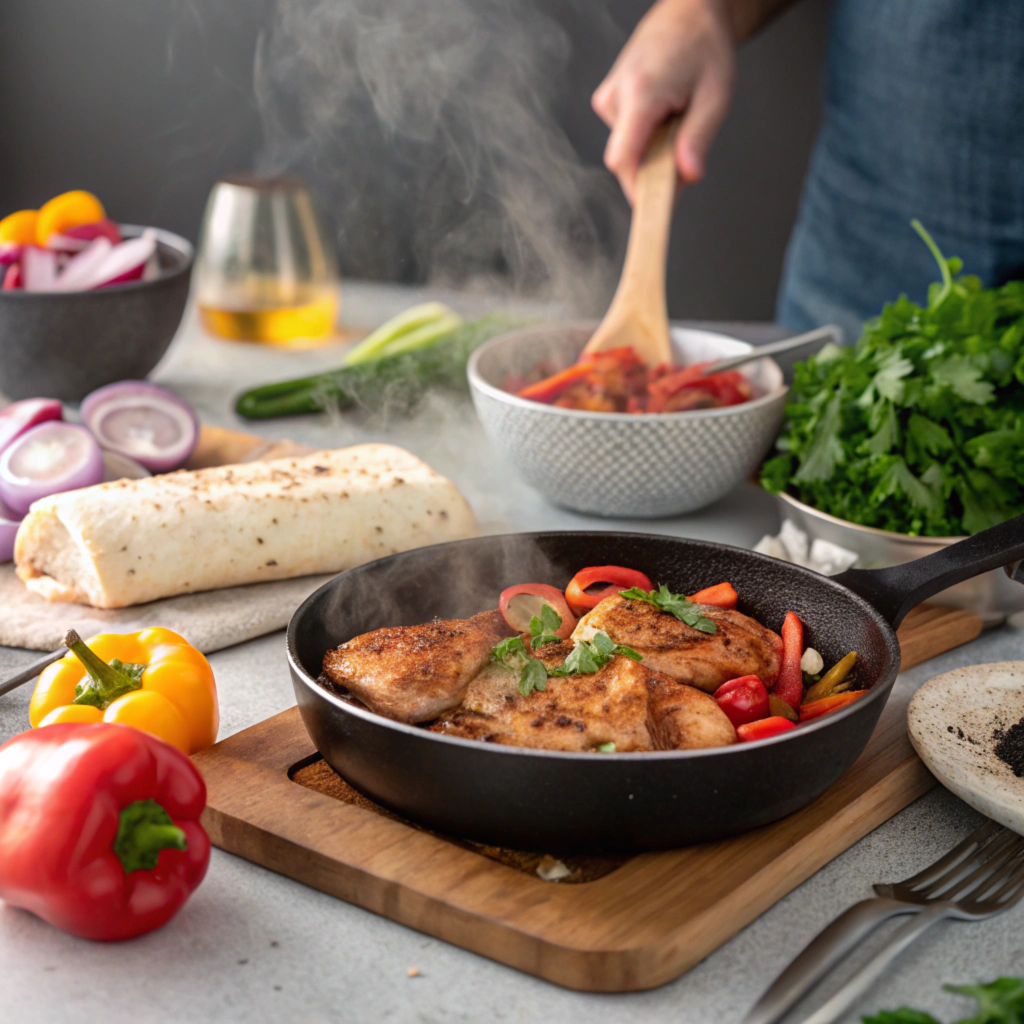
<point x="9" y="523"/>
<point x="147" y="423"/>
<point x="105" y="228"/>
<point x="48" y="459"/>
<point x="82" y="271"/>
<point x="64" y="243"/>
<point x="10" y="252"/>
<point x="119" y="467"/>
<point x="18" y="417"/>
<point x="127" y="261"/>
<point x="38" y="269"/>
<point x="12" y="278"/>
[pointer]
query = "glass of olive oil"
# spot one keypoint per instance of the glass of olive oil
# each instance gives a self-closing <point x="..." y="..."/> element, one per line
<point x="266" y="269"/>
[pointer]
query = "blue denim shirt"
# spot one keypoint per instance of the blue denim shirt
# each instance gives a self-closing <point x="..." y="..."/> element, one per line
<point x="924" y="117"/>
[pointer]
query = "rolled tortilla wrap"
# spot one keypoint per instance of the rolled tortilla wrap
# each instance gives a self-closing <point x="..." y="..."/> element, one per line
<point x="132" y="541"/>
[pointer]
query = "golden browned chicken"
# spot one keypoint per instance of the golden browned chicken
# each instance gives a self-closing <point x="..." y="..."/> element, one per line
<point x="414" y="673"/>
<point x="623" y="703"/>
<point x="741" y="646"/>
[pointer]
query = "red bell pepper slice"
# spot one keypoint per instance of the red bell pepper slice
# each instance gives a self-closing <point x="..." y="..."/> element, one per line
<point x="817" y="708"/>
<point x="672" y="382"/>
<point x="617" y="576"/>
<point x="550" y="388"/>
<point x="743" y="700"/>
<point x="518" y="615"/>
<point x="790" y="684"/>
<point x="721" y="595"/>
<point x="99" y="828"/>
<point x="764" y="729"/>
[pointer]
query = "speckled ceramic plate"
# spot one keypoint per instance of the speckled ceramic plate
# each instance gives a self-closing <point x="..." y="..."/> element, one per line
<point x="955" y="721"/>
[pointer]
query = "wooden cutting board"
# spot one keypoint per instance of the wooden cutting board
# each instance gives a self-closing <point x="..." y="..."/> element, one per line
<point x="614" y="924"/>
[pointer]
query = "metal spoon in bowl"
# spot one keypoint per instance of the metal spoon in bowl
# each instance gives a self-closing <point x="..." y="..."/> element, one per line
<point x="827" y="333"/>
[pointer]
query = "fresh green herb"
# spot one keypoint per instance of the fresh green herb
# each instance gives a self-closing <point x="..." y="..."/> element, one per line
<point x="918" y="428"/>
<point x="393" y="376"/>
<point x="999" y="1002"/>
<point x="544" y="627"/>
<point x="605" y="748"/>
<point x="586" y="658"/>
<point x="513" y="654"/>
<point x="674" y="604"/>
<point x="103" y="683"/>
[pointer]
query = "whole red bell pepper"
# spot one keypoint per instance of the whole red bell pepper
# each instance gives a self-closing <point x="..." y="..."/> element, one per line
<point x="790" y="684"/>
<point x="99" y="829"/>
<point x="743" y="700"/>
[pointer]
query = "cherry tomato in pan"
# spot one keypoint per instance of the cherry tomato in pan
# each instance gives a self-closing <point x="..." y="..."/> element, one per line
<point x="743" y="700"/>
<point x="616" y="576"/>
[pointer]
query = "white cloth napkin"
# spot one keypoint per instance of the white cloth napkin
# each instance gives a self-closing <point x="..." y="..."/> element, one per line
<point x="209" y="621"/>
<point x="793" y="545"/>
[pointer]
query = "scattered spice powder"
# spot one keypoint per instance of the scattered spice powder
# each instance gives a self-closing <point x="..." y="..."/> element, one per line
<point x="1010" y="747"/>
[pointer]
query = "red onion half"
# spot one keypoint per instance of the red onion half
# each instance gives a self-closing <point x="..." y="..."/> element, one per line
<point x="48" y="459"/>
<point x="9" y="523"/>
<point x="18" y="417"/>
<point x="119" y="467"/>
<point x="147" y="423"/>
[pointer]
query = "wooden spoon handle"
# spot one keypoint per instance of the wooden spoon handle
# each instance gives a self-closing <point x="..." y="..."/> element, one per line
<point x="638" y="315"/>
<point x="654" y="199"/>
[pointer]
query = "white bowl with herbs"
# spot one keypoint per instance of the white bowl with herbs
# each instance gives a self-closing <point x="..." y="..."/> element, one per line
<point x="913" y="438"/>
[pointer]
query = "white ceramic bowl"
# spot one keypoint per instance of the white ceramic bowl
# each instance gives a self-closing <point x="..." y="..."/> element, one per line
<point x="990" y="595"/>
<point x="624" y="464"/>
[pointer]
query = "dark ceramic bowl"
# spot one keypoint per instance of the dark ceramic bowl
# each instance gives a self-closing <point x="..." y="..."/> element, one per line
<point x="66" y="344"/>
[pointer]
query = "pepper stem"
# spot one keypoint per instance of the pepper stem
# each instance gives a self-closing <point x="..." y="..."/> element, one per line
<point x="105" y="683"/>
<point x="143" y="830"/>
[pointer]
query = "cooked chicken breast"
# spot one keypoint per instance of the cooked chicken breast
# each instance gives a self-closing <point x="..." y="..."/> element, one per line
<point x="414" y="673"/>
<point x="624" y="703"/>
<point x="740" y="647"/>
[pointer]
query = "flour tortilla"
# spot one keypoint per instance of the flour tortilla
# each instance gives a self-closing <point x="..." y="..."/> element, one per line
<point x="132" y="541"/>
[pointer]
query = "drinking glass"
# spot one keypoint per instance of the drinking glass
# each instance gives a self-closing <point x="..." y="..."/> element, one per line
<point x="266" y="269"/>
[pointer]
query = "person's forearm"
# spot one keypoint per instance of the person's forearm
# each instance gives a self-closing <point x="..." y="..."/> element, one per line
<point x="747" y="17"/>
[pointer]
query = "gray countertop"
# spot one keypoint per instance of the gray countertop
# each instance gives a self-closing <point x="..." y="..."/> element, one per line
<point x="255" y="946"/>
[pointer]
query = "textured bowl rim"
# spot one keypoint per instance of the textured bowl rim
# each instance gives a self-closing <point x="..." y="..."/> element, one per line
<point x="905" y="538"/>
<point x="478" y="383"/>
<point x="182" y="246"/>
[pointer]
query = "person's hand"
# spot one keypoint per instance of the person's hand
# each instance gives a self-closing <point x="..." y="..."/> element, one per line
<point x="680" y="59"/>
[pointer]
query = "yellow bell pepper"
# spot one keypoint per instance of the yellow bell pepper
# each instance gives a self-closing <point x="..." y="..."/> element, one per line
<point x="154" y="680"/>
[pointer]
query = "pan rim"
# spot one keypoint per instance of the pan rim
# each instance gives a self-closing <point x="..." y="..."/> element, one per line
<point x="878" y="690"/>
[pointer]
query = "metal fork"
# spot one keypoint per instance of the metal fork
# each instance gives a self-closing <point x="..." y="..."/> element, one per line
<point x="982" y="876"/>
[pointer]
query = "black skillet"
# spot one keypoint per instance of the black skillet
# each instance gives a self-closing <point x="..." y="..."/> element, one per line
<point x="551" y="801"/>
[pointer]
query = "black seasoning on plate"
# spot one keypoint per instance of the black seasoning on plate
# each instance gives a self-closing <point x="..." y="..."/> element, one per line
<point x="1010" y="747"/>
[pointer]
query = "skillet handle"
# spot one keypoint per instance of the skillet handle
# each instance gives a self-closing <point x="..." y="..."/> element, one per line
<point x="894" y="591"/>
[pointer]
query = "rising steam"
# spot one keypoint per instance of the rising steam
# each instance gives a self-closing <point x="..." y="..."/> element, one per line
<point x="428" y="132"/>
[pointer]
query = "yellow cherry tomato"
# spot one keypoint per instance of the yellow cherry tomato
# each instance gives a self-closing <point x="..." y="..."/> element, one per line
<point x="172" y="693"/>
<point x="68" y="210"/>
<point x="19" y="228"/>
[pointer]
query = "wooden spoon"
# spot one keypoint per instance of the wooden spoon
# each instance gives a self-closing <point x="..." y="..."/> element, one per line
<point x="638" y="315"/>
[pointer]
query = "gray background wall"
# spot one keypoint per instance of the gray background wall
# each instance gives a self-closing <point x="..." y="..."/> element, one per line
<point x="146" y="102"/>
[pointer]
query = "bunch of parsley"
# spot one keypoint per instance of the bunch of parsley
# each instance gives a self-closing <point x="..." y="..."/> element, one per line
<point x="918" y="428"/>
<point x="999" y="1002"/>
